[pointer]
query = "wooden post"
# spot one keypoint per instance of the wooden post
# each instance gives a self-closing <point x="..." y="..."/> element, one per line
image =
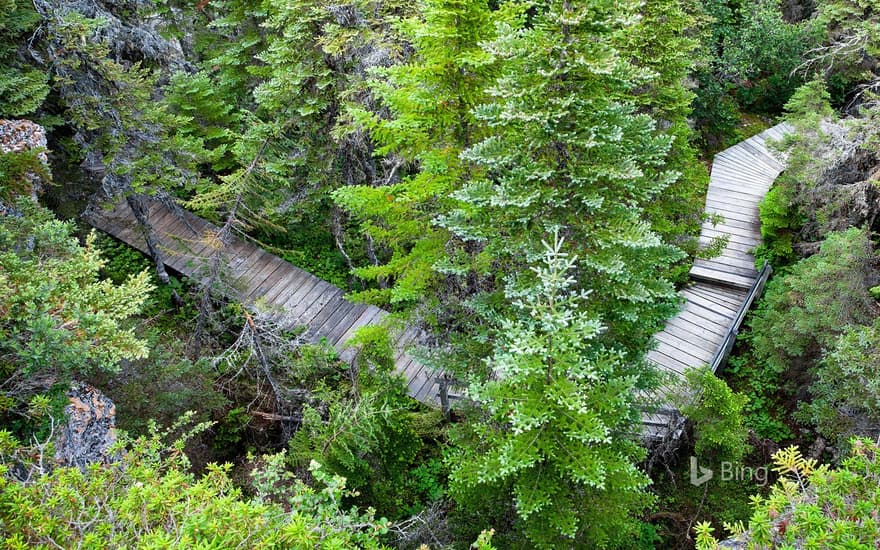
<point x="444" y="382"/>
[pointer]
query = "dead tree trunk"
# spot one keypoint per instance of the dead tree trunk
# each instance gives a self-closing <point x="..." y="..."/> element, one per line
<point x="142" y="214"/>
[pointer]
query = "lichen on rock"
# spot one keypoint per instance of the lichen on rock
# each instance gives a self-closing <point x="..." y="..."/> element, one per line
<point x="90" y="431"/>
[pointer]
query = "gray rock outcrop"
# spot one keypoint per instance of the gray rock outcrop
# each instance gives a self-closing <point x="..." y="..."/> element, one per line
<point x="90" y="430"/>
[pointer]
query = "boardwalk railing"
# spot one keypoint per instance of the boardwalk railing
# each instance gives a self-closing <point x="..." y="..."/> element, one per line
<point x="723" y="353"/>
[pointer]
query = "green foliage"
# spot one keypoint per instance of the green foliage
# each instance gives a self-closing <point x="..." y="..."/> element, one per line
<point x="680" y="503"/>
<point x="849" y="46"/>
<point x="813" y="506"/>
<point x="122" y="262"/>
<point x="365" y="432"/>
<point x="793" y="210"/>
<point x="716" y="113"/>
<point x="22" y="89"/>
<point x="846" y="391"/>
<point x="764" y="54"/>
<point x="555" y="412"/>
<point x="568" y="151"/>
<point x="56" y="313"/>
<point x="150" y="499"/>
<point x="717" y="416"/>
<point x="666" y="40"/>
<point x="369" y="442"/>
<point x="763" y="387"/>
<point x="163" y="386"/>
<point x="779" y="223"/>
<point x="18" y="173"/>
<point x="808" y="308"/>
<point x="112" y="104"/>
<point x="430" y="101"/>
<point x="308" y="244"/>
<point x="810" y="103"/>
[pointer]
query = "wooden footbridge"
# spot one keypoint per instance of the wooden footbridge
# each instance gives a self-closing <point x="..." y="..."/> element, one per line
<point x="701" y="334"/>
<point x="725" y="286"/>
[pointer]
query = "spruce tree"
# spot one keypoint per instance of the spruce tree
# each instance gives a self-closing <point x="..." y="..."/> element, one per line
<point x="557" y="415"/>
<point x="429" y="100"/>
<point x="567" y="151"/>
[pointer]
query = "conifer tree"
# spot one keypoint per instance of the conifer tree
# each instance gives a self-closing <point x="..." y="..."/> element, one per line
<point x="666" y="40"/>
<point x="430" y="100"/>
<point x="22" y="89"/>
<point x="567" y="150"/>
<point x="557" y="417"/>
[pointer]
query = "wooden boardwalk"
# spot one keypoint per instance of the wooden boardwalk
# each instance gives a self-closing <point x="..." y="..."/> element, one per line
<point x="724" y="286"/>
<point x="701" y="334"/>
<point x="265" y="283"/>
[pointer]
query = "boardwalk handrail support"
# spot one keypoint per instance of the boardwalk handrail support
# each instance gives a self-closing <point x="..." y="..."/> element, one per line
<point x="720" y="358"/>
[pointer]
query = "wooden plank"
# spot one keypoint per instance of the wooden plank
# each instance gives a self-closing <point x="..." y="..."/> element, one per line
<point x="709" y="274"/>
<point x="670" y="363"/>
<point x="264" y="267"/>
<point x="410" y="369"/>
<point x="734" y="167"/>
<point x="326" y="303"/>
<point x="299" y="303"/>
<point x="740" y="165"/>
<point x="685" y="359"/>
<point x="753" y="194"/>
<point x="730" y="300"/>
<point x="759" y="154"/>
<point x="290" y="295"/>
<point x="428" y="387"/>
<point x="733" y="184"/>
<point x="731" y="246"/>
<point x="371" y="316"/>
<point x="732" y="213"/>
<point x="682" y="344"/>
<point x="175" y="238"/>
<point x="738" y="200"/>
<point x="744" y="250"/>
<point x="335" y="333"/>
<point x="338" y="310"/>
<point x="327" y="294"/>
<point x="735" y="232"/>
<point x="715" y="307"/>
<point x="742" y="262"/>
<point x="746" y="212"/>
<point x="751" y="227"/>
<point x="290" y="298"/>
<point x="710" y="232"/>
<point x="733" y="297"/>
<point x="753" y="149"/>
<point x="280" y="274"/>
<point x="707" y="331"/>
<point x="332" y="307"/>
<point x="131" y="236"/>
<point x="698" y="340"/>
<point x="429" y="393"/>
<point x="293" y="278"/>
<point x="241" y="261"/>
<point x="727" y="267"/>
<point x="699" y="313"/>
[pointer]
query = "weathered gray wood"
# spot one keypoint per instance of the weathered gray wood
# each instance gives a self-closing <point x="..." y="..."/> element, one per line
<point x="706" y="274"/>
<point x="728" y="263"/>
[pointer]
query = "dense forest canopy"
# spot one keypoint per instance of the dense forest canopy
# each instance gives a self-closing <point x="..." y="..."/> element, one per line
<point x="520" y="186"/>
